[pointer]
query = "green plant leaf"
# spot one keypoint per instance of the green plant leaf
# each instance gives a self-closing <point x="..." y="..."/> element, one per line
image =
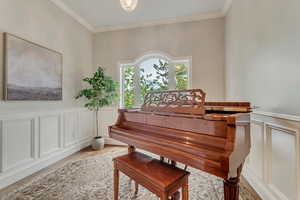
<point x="101" y="90"/>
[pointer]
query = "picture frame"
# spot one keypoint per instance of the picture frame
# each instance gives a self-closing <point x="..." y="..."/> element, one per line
<point x="32" y="72"/>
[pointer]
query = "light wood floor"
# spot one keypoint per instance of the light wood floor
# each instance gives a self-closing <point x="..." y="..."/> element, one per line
<point x="87" y="152"/>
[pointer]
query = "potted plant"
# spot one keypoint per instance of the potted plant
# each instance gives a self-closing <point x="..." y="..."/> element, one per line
<point x="101" y="91"/>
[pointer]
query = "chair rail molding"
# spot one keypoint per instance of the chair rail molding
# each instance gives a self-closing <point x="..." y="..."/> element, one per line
<point x="273" y="166"/>
<point x="32" y="141"/>
<point x="278" y="115"/>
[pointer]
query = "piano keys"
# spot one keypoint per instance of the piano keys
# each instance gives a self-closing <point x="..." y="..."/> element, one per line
<point x="179" y="125"/>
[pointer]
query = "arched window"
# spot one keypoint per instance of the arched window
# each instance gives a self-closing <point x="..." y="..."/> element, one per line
<point x="152" y="72"/>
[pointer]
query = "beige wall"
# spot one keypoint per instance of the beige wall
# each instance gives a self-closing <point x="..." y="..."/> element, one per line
<point x="262" y="54"/>
<point x="203" y="40"/>
<point x="42" y="22"/>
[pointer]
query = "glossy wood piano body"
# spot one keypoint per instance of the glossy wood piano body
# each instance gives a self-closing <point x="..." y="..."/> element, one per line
<point x="181" y="126"/>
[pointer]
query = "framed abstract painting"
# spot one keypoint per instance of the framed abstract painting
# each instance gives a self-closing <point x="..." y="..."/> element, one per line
<point x="32" y="72"/>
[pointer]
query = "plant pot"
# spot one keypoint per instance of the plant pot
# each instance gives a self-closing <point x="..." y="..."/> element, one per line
<point x="98" y="143"/>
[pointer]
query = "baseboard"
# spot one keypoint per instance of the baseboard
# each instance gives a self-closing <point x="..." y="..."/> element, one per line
<point x="11" y="177"/>
<point x="256" y="184"/>
<point x="111" y="141"/>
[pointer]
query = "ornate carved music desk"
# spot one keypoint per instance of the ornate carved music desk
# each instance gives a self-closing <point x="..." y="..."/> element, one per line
<point x="179" y="125"/>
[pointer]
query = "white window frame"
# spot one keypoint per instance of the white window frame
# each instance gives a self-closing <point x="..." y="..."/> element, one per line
<point x="150" y="55"/>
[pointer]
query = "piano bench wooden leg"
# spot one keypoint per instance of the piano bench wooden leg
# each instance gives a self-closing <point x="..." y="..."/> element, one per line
<point x="164" y="196"/>
<point x="231" y="189"/>
<point x="185" y="190"/>
<point x="116" y="184"/>
<point x="131" y="149"/>
<point x="173" y="163"/>
<point x="136" y="191"/>
<point x="176" y="196"/>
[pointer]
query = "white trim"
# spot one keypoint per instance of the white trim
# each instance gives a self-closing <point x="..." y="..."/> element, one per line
<point x="156" y="54"/>
<point x="227" y="6"/>
<point x="111" y="141"/>
<point x="33" y="113"/>
<point x="121" y="85"/>
<point x="136" y="85"/>
<point x="278" y="115"/>
<point x="259" y="186"/>
<point x="72" y="13"/>
<point x="199" y="17"/>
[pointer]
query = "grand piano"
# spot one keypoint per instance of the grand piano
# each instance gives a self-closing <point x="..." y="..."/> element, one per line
<point x="180" y="125"/>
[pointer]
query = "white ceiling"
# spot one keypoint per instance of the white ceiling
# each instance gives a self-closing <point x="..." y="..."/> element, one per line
<point x="103" y="15"/>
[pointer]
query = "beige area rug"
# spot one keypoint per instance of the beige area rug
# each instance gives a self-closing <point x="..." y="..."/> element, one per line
<point x="91" y="178"/>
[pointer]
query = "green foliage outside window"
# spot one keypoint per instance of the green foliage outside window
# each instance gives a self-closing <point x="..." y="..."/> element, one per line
<point x="129" y="87"/>
<point x="155" y="81"/>
<point x="149" y="83"/>
<point x="181" y="76"/>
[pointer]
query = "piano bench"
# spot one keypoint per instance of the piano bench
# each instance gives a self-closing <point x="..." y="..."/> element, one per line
<point x="160" y="178"/>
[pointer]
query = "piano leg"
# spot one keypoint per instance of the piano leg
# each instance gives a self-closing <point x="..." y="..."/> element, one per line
<point x="231" y="186"/>
<point x="231" y="189"/>
<point x="173" y="163"/>
<point x="176" y="196"/>
<point x="131" y="149"/>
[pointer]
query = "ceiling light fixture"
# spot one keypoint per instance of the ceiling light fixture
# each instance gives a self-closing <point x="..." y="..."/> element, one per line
<point x="129" y="5"/>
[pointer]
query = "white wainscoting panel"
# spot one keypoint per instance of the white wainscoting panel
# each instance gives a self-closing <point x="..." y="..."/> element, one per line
<point x="273" y="166"/>
<point x="283" y="161"/>
<point x="87" y="125"/>
<point x="18" y="143"/>
<point x="32" y="141"/>
<point x="50" y="134"/>
<point x="256" y="157"/>
<point x="70" y="128"/>
<point x="1" y="147"/>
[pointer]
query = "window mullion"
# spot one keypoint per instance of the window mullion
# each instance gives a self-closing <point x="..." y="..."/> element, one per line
<point x="171" y="76"/>
<point x="122" y="88"/>
<point x="137" y="87"/>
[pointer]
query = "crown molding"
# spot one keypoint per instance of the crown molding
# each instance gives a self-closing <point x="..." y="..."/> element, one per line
<point x="204" y="16"/>
<point x="227" y="6"/>
<point x="72" y="13"/>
